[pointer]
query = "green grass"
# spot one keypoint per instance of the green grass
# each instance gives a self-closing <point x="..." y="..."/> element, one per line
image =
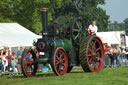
<point x="108" y="76"/>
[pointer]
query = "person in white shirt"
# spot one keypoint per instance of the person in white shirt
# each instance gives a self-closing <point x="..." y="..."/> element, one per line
<point x="93" y="28"/>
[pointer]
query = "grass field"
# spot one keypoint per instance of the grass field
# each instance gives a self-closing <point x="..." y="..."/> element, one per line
<point x="108" y="76"/>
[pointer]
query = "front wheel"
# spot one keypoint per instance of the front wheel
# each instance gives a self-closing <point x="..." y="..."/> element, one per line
<point x="28" y="64"/>
<point x="59" y="62"/>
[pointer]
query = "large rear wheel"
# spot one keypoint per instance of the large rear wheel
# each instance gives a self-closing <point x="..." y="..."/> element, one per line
<point x="28" y="64"/>
<point x="59" y="62"/>
<point x="91" y="54"/>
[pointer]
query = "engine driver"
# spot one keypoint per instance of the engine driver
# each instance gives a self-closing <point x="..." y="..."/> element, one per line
<point x="93" y="28"/>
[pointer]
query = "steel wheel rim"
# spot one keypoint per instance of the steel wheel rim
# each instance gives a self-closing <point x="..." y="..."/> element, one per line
<point x="29" y="64"/>
<point x="60" y="61"/>
<point x="76" y="32"/>
<point x="95" y="55"/>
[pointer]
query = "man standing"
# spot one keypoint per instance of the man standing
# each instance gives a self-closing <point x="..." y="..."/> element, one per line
<point x="19" y="55"/>
<point x="121" y="55"/>
<point x="13" y="62"/>
<point x="8" y="57"/>
<point x="1" y="61"/>
<point x="116" y="54"/>
<point x="106" y="58"/>
<point x="4" y="61"/>
<point x="93" y="28"/>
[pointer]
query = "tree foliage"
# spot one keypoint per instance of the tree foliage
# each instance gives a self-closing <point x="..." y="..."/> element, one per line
<point x="88" y="9"/>
<point x="118" y="26"/>
<point x="27" y="12"/>
<point x="126" y="23"/>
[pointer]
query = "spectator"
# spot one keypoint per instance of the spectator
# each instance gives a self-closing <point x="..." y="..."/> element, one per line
<point x="111" y="56"/>
<point x="93" y="28"/>
<point x="1" y="65"/>
<point x="121" y="55"/>
<point x="107" y="58"/>
<point x="13" y="62"/>
<point x="126" y="57"/>
<point x="4" y="63"/>
<point x="8" y="57"/>
<point x="19" y="55"/>
<point x="116" y="55"/>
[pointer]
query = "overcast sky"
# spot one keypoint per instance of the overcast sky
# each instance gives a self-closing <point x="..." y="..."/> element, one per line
<point x="117" y="9"/>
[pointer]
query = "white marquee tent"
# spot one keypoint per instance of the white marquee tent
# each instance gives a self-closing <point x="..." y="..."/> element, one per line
<point x="127" y="41"/>
<point x="112" y="37"/>
<point x="15" y="35"/>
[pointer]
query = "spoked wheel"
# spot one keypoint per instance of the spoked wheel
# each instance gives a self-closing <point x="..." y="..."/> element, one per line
<point x="91" y="54"/>
<point x="77" y="31"/>
<point x="59" y="61"/>
<point x="28" y="64"/>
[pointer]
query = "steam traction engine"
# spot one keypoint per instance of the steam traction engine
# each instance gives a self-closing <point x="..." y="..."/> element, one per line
<point x="63" y="49"/>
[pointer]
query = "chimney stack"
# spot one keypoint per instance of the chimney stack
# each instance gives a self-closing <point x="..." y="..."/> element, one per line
<point x="44" y="15"/>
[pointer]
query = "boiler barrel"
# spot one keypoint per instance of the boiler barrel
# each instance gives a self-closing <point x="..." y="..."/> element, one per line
<point x="66" y="44"/>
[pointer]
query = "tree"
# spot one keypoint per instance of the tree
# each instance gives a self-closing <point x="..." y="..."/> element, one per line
<point x="27" y="13"/>
<point x="126" y="23"/>
<point x="30" y="15"/>
<point x="116" y="26"/>
<point x="88" y="9"/>
<point x="6" y="11"/>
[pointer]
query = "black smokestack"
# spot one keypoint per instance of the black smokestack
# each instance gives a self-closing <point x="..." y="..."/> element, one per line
<point x="44" y="15"/>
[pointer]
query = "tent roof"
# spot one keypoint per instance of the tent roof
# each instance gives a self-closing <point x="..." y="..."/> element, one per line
<point x="112" y="37"/>
<point x="13" y="35"/>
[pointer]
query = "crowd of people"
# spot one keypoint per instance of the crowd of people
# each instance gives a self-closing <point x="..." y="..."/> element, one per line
<point x="115" y="55"/>
<point x="10" y="62"/>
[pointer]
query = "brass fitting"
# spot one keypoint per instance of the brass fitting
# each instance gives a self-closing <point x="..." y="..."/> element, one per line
<point x="44" y="9"/>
